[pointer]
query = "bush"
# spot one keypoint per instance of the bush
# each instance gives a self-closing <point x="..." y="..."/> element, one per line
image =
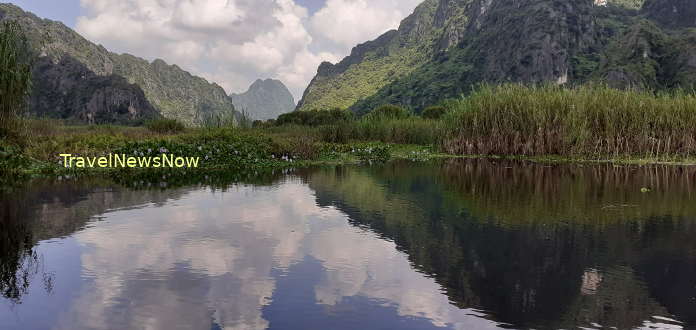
<point x="388" y="111"/>
<point x="435" y="112"/>
<point x="165" y="126"/>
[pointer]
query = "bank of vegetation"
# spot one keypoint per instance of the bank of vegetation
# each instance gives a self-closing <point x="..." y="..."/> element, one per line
<point x="583" y="123"/>
<point x="592" y="122"/>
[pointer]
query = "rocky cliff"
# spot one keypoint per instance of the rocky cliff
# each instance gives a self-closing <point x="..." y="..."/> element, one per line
<point x="76" y="79"/>
<point x="265" y="99"/>
<point x="446" y="47"/>
<point x="67" y="89"/>
<point x="672" y="13"/>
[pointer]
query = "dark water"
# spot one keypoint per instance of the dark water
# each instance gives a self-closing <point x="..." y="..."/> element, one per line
<point x="468" y="244"/>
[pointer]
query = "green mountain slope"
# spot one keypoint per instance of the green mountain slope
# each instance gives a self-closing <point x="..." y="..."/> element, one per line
<point x="462" y="43"/>
<point x="374" y="64"/>
<point x="265" y="99"/>
<point x="171" y="91"/>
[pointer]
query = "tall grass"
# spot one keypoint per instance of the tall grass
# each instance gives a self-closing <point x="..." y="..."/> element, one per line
<point x="15" y="78"/>
<point x="165" y="126"/>
<point x="343" y="128"/>
<point x="221" y="120"/>
<point x="589" y="121"/>
<point x="411" y="130"/>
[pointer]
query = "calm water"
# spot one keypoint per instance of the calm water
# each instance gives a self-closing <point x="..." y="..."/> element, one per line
<point x="469" y="244"/>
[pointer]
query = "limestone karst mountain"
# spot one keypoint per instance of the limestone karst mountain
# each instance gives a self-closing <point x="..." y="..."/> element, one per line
<point x="265" y="99"/>
<point x="447" y="47"/>
<point x="78" y="80"/>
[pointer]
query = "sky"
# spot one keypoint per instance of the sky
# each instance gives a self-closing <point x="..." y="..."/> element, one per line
<point x="231" y="42"/>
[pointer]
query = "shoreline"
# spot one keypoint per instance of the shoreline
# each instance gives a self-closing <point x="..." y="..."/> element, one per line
<point x="39" y="169"/>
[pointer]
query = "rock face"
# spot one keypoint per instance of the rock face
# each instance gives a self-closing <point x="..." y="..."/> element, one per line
<point x="446" y="47"/>
<point x="67" y="89"/>
<point x="672" y="13"/>
<point x="265" y="99"/>
<point x="120" y="81"/>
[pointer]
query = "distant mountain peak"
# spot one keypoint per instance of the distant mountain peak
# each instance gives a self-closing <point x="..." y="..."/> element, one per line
<point x="265" y="99"/>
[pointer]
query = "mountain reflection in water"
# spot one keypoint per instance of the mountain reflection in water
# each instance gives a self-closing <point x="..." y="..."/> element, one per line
<point x="465" y="244"/>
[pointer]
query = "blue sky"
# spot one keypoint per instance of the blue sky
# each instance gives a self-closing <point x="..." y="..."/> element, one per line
<point x="65" y="11"/>
<point x="230" y="42"/>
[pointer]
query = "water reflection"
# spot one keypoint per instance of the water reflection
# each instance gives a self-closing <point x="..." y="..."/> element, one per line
<point x="457" y="244"/>
<point x="533" y="245"/>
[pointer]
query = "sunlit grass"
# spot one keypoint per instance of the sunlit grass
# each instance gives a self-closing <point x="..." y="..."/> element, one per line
<point x="590" y="121"/>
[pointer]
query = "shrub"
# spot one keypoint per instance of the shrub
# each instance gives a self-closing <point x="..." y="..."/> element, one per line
<point x="166" y="126"/>
<point x="435" y="112"/>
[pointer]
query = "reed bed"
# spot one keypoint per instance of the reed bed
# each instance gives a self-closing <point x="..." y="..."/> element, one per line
<point x="588" y="121"/>
<point x="15" y="78"/>
<point x="411" y="130"/>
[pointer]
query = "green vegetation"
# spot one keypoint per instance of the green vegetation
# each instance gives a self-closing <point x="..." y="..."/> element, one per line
<point x="434" y="112"/>
<point x="375" y="64"/>
<point x="548" y="123"/>
<point x="360" y="80"/>
<point x="387" y="112"/>
<point x="15" y="78"/>
<point x="410" y="130"/>
<point x="224" y="119"/>
<point x="165" y="126"/>
<point x="586" y="122"/>
<point x="315" y="118"/>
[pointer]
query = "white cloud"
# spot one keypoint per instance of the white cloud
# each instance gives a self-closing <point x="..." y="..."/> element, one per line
<point x="303" y="68"/>
<point x="350" y="22"/>
<point x="175" y="262"/>
<point x="234" y="42"/>
<point x="207" y="14"/>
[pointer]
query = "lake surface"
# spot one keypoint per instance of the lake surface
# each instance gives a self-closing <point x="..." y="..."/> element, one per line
<point x="458" y="244"/>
